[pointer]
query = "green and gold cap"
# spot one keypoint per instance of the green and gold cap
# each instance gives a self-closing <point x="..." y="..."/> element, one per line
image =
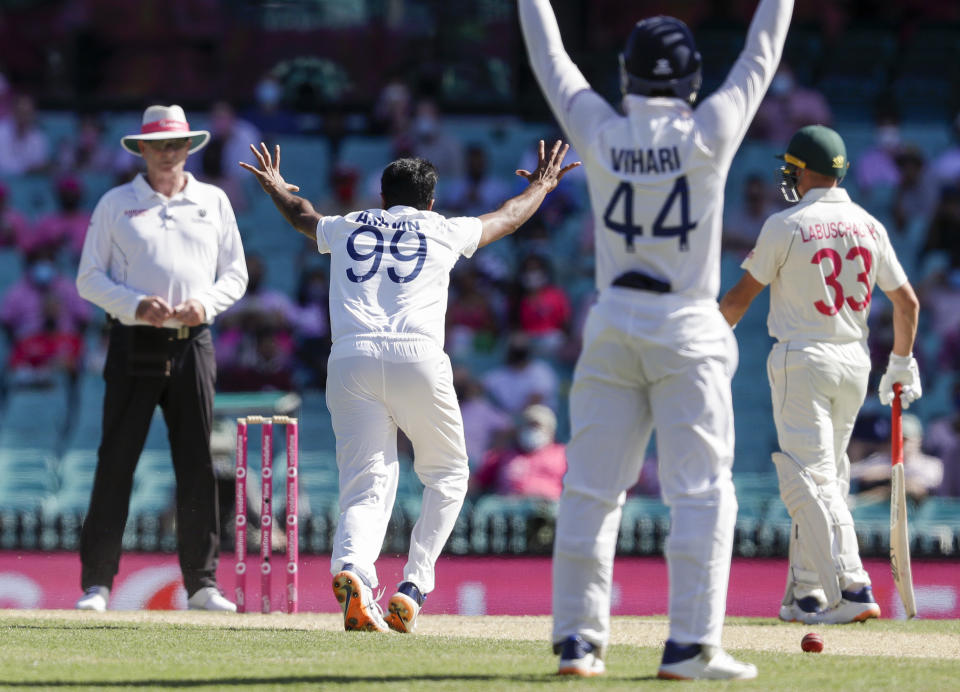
<point x="819" y="149"/>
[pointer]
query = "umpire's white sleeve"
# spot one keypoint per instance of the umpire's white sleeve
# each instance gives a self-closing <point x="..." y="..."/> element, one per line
<point x="231" y="277"/>
<point x="725" y="116"/>
<point x="93" y="275"/>
<point x="576" y="106"/>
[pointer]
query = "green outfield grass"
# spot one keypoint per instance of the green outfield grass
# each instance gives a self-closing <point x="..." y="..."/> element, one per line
<point x="66" y="650"/>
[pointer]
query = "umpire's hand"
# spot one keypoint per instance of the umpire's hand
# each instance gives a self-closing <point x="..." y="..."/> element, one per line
<point x="154" y="310"/>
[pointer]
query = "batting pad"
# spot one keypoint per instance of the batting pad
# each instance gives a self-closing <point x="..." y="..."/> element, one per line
<point x="823" y="522"/>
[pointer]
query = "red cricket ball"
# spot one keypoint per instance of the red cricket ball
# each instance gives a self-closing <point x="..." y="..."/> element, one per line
<point x="812" y="642"/>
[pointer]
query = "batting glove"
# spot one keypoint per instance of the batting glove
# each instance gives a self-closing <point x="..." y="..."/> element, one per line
<point x="902" y="369"/>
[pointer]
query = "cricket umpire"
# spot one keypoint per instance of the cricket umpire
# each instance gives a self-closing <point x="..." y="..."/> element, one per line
<point x="162" y="257"/>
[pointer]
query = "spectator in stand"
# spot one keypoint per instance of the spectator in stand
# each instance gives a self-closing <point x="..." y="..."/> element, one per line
<point x="269" y="113"/>
<point x="472" y="323"/>
<point x="255" y="347"/>
<point x="231" y="136"/>
<point x="485" y="426"/>
<point x="431" y="142"/>
<point x="23" y="308"/>
<point x="394" y="107"/>
<point x="943" y="441"/>
<point x="877" y="168"/>
<point x="541" y="309"/>
<point x="521" y="380"/>
<point x="65" y="228"/>
<point x="537" y="240"/>
<point x="870" y="477"/>
<point x="476" y="191"/>
<point x="943" y="234"/>
<point x="236" y="134"/>
<point x="945" y="169"/>
<point x="56" y="348"/>
<point x="949" y="357"/>
<point x="939" y="295"/>
<point x="212" y="171"/>
<point x="13" y="224"/>
<point x="745" y="219"/>
<point x="312" y="333"/>
<point x="344" y="190"/>
<point x="533" y="466"/>
<point x="88" y="151"/>
<point x="270" y="305"/>
<point x="787" y="107"/>
<point x="915" y="199"/>
<point x="259" y="357"/>
<point x="24" y="147"/>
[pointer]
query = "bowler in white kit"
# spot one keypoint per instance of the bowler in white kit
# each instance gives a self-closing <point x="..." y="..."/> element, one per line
<point x="821" y="258"/>
<point x="389" y="275"/>
<point x="657" y="352"/>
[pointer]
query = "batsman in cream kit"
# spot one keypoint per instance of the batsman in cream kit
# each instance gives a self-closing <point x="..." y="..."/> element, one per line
<point x="822" y="258"/>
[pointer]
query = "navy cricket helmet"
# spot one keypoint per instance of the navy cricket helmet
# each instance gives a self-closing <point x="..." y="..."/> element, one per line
<point x="661" y="59"/>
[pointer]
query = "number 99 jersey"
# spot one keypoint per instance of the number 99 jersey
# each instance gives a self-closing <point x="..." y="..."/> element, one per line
<point x="389" y="275"/>
<point x="822" y="257"/>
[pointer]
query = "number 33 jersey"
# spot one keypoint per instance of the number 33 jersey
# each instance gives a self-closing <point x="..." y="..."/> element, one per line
<point x="822" y="257"/>
<point x="389" y="274"/>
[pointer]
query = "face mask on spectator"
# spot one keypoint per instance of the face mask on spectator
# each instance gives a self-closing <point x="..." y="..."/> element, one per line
<point x="532" y="438"/>
<point x="268" y="93"/>
<point x="888" y="136"/>
<point x="533" y="280"/>
<point x="425" y="126"/>
<point x="42" y="273"/>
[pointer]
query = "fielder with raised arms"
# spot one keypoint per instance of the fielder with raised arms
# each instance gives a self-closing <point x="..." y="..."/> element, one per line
<point x="821" y="259"/>
<point x="657" y="352"/>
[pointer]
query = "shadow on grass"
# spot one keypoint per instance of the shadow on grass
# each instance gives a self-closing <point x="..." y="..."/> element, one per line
<point x="276" y="680"/>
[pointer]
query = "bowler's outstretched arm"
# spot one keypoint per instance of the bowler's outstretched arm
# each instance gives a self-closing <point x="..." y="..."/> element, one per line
<point x="298" y="211"/>
<point x="517" y="210"/>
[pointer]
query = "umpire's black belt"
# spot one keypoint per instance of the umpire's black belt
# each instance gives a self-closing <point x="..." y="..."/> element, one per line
<point x="178" y="334"/>
<point x="641" y="282"/>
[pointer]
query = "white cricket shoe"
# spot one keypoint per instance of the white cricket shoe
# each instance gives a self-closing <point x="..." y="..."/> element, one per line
<point x="579" y="657"/>
<point x="210" y="598"/>
<point x="854" y="606"/>
<point x="361" y="612"/>
<point x="800" y="609"/>
<point x="702" y="662"/>
<point x="94" y="598"/>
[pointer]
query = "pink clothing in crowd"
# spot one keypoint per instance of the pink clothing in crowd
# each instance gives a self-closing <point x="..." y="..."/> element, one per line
<point x="67" y="229"/>
<point x="532" y="474"/>
<point x="22" y="307"/>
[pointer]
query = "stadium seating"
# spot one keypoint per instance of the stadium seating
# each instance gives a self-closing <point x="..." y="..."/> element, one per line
<point x="33" y="419"/>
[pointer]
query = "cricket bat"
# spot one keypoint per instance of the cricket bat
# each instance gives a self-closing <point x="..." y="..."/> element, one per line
<point x="899" y="532"/>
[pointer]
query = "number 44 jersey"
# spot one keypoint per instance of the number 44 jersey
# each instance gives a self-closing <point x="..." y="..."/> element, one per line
<point x="656" y="170"/>
<point x="822" y="258"/>
<point x="389" y="274"/>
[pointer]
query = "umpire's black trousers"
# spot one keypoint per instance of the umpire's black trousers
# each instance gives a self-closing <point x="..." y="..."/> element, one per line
<point x="176" y="369"/>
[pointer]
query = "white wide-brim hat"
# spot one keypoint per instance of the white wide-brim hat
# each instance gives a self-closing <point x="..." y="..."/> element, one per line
<point x="165" y="122"/>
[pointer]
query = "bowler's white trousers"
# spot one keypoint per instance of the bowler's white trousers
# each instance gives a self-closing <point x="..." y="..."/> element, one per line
<point x="369" y="398"/>
<point x="649" y="361"/>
